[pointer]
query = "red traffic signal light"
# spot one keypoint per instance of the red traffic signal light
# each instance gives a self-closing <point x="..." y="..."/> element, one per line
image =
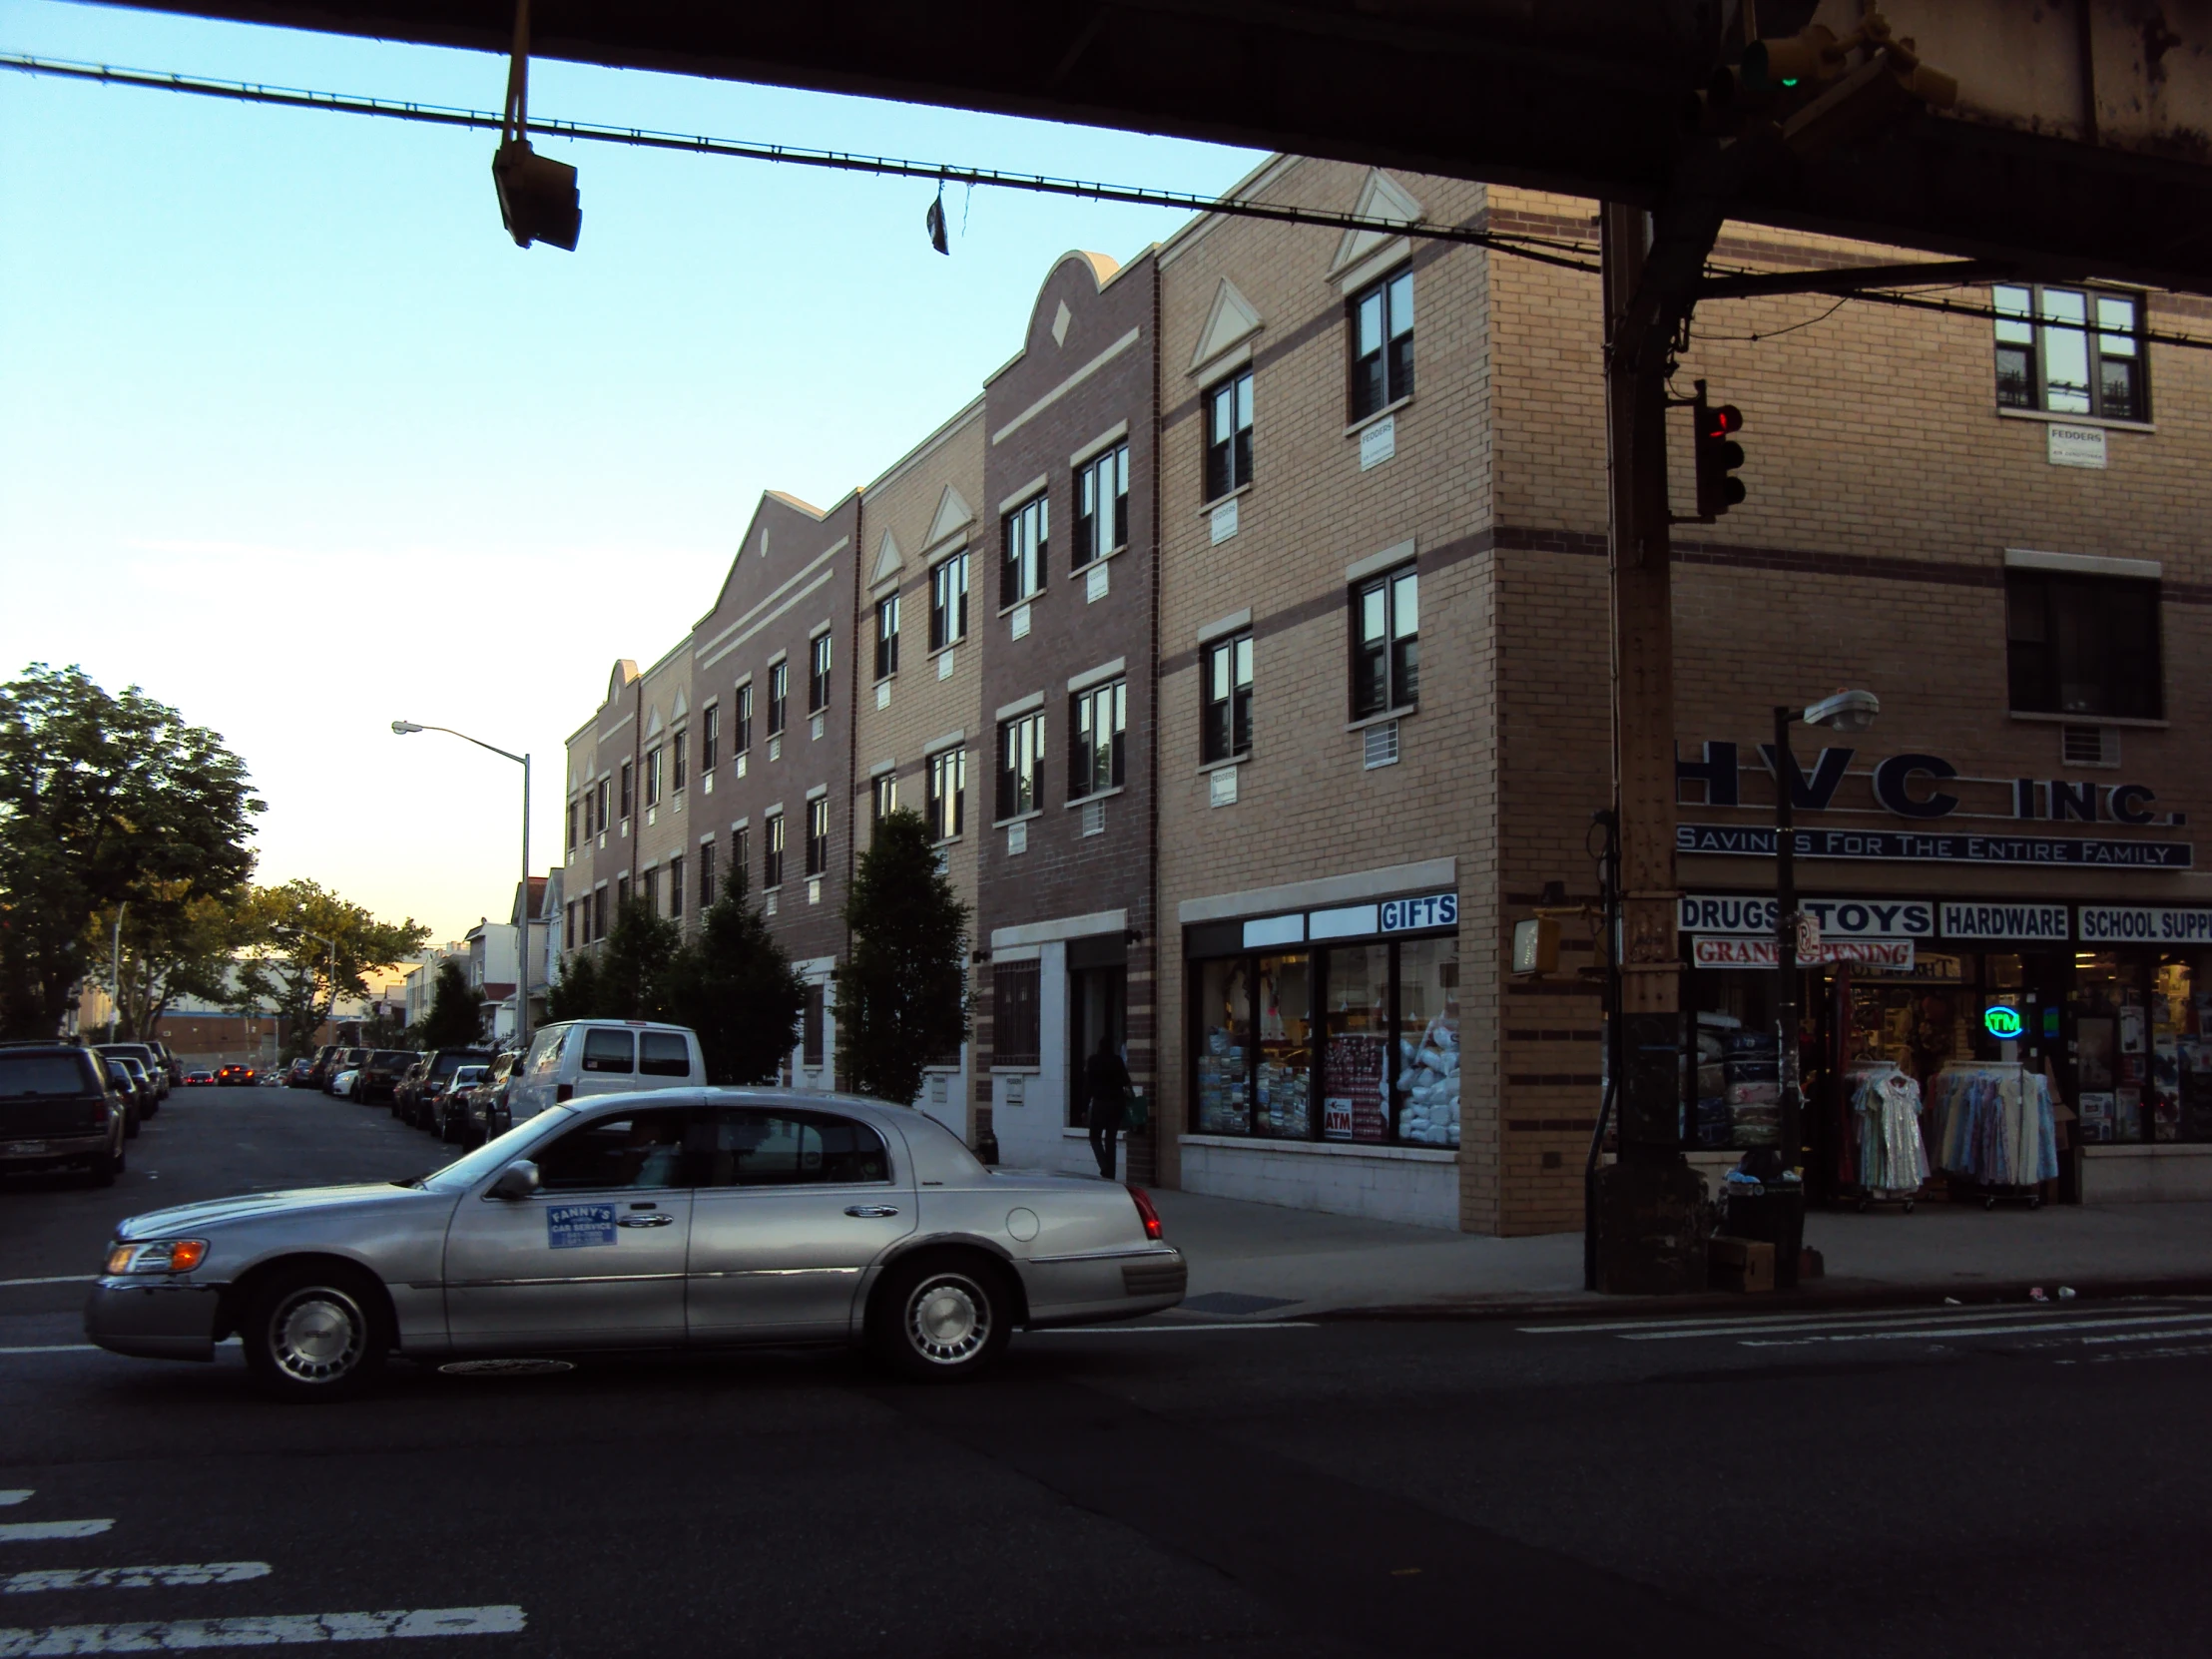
<point x="1718" y="456"/>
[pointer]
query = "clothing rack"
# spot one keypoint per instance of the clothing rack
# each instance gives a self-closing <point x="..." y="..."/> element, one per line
<point x="1888" y="1158"/>
<point x="1995" y="1134"/>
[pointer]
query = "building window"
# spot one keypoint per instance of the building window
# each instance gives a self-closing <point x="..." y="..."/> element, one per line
<point x="1015" y="1039"/>
<point x="676" y="885"/>
<point x="572" y="826"/>
<point x="1022" y="571"/>
<point x="649" y="889"/>
<point x="741" y="739"/>
<point x="621" y="893"/>
<point x="2082" y="645"/>
<point x="1096" y="723"/>
<point x="948" y="793"/>
<point x="1228" y="724"/>
<point x="599" y="914"/>
<point x="589" y="792"/>
<point x="1356" y="1043"/>
<point x="2071" y="351"/>
<point x="811" y="1027"/>
<point x="949" y="602"/>
<point x="883" y="797"/>
<point x="709" y="738"/>
<point x="706" y="875"/>
<point x="778" y="694"/>
<point x="772" y="850"/>
<point x="1020" y="760"/>
<point x="818" y="674"/>
<point x="818" y="835"/>
<point x="568" y="926"/>
<point x="741" y="853"/>
<point x="653" y="776"/>
<point x="1383" y="344"/>
<point x="626" y="795"/>
<point x="887" y="636"/>
<point x="1102" y="505"/>
<point x="1385" y="643"/>
<point x="604" y="786"/>
<point x="676" y="748"/>
<point x="1229" y="435"/>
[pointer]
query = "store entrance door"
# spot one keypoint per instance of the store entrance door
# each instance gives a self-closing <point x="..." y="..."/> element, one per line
<point x="1098" y="1005"/>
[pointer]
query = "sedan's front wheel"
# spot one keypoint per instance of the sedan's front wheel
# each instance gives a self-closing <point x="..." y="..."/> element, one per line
<point x="941" y="1321"/>
<point x="314" y="1333"/>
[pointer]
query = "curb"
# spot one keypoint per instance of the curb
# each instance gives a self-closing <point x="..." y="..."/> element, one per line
<point x="1841" y="1296"/>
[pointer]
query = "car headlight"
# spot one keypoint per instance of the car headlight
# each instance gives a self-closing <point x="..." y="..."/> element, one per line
<point x="158" y="1256"/>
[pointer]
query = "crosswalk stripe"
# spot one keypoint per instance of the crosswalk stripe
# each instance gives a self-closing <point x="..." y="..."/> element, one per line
<point x="1754" y="1323"/>
<point x="29" y="1532"/>
<point x="54" y="1347"/>
<point x="1920" y="1332"/>
<point x="178" y="1635"/>
<point x="51" y="1279"/>
<point x="132" y="1579"/>
<point x="14" y="1494"/>
<point x="1751" y="1328"/>
<point x="2147" y="1337"/>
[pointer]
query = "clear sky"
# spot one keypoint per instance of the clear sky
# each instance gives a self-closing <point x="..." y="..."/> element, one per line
<point x="294" y="436"/>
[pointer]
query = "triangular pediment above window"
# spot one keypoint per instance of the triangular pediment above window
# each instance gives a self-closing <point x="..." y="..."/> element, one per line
<point x="652" y="723"/>
<point x="1381" y="197"/>
<point x="682" y="708"/>
<point x="887" y="559"/>
<point x="1231" y="321"/>
<point x="953" y="516"/>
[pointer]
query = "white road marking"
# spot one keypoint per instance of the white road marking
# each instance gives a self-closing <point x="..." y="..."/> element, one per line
<point x="58" y="1279"/>
<point x="1900" y="1322"/>
<point x="132" y="1579"/>
<point x="1146" y="1330"/>
<point x="54" y="1347"/>
<point x="30" y="1532"/>
<point x="176" y="1635"/>
<point x="15" y="1494"/>
<point x="1920" y="1332"/>
<point x="2146" y="1337"/>
<point x="1719" y="1327"/>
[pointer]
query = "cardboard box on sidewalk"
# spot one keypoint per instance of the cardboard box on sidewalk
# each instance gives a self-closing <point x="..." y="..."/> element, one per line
<point x="1741" y="1264"/>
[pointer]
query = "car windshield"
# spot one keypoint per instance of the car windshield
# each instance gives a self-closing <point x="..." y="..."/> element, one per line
<point x="26" y="1075"/>
<point x="492" y="1156"/>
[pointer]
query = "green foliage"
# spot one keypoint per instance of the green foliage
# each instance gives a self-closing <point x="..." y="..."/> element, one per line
<point x="575" y="996"/>
<point x="634" y="964"/>
<point x="103" y="800"/>
<point x="903" y="997"/>
<point x="175" y="942"/>
<point x="455" y="1013"/>
<point x="312" y="947"/>
<point x="735" y="986"/>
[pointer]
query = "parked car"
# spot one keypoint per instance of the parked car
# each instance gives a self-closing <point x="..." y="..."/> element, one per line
<point x="342" y="1083"/>
<point x="342" y="1060"/>
<point x="144" y="1053"/>
<point x="58" y="1108"/>
<point x="485" y="1117"/>
<point x="663" y="1219"/>
<point x="300" y="1074"/>
<point x="269" y="1080"/>
<point x="141" y="1078"/>
<point x="327" y="1064"/>
<point x="449" y="1116"/>
<point x="234" y="1076"/>
<point x="167" y="1060"/>
<point x="125" y="1088"/>
<point x="200" y="1077"/>
<point x="380" y="1074"/>
<point x="576" y="1059"/>
<point x="422" y="1102"/>
<point x="311" y="1077"/>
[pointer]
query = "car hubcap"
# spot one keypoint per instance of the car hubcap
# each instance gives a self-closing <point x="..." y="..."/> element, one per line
<point x="318" y="1335"/>
<point x="948" y="1319"/>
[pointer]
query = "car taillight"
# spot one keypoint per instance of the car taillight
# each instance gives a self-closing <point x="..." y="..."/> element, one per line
<point x="1145" y="1212"/>
<point x="563" y="1091"/>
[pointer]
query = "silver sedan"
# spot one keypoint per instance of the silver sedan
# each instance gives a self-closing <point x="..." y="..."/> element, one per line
<point x="673" y="1218"/>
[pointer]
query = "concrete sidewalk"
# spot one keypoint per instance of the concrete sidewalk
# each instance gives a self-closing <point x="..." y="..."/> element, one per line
<point x="1260" y="1261"/>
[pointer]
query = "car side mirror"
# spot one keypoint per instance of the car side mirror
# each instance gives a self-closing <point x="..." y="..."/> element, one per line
<point x="517" y="1181"/>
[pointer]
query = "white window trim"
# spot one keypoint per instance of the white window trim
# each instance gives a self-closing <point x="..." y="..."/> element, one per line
<point x="1027" y="493"/>
<point x="1019" y="707"/>
<point x="1095" y="676"/>
<point x="1223" y="361"/>
<point x="2006" y="412"/>
<point x="1095" y="794"/>
<point x="1106" y="440"/>
<point x="1235" y="622"/>
<point x="1375" y="563"/>
<point x="1206" y="507"/>
<point x="1375" y="267"/>
<point x="1383" y="413"/>
<point x="1404" y="711"/>
<point x="2084" y="564"/>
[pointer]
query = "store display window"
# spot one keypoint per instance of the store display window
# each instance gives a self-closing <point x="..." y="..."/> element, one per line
<point x="1357" y="1043"/>
<point x="2142" y="1031"/>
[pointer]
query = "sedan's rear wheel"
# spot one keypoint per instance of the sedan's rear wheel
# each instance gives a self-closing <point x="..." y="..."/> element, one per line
<point x="314" y="1333"/>
<point x="941" y="1321"/>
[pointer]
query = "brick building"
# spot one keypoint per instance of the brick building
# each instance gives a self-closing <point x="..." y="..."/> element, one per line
<point x="1350" y="621"/>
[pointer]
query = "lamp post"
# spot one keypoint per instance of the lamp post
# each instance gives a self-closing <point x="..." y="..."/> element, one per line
<point x="1847" y="711"/>
<point x="329" y="969"/>
<point x="403" y="727"/>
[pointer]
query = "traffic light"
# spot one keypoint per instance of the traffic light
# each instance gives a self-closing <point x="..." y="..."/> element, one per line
<point x="1718" y="456"/>
<point x="537" y="196"/>
<point x="1814" y="55"/>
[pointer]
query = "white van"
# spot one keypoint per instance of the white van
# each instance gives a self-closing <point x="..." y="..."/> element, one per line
<point x="582" y="1057"/>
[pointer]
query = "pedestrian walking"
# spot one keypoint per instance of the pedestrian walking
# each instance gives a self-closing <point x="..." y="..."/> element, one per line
<point x="1106" y="1081"/>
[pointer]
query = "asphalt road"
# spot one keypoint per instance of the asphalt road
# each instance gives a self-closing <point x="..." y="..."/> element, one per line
<point x="1926" y="1480"/>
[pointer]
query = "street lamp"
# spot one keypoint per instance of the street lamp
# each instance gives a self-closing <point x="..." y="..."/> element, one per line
<point x="403" y="727"/>
<point x="1847" y="711"/>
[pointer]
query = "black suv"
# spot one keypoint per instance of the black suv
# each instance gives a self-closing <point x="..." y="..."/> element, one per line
<point x="56" y="1109"/>
<point x="382" y="1072"/>
<point x="421" y="1105"/>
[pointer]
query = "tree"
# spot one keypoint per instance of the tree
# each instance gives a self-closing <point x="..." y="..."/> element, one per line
<point x="175" y="942"/>
<point x="903" y="996"/>
<point x="455" y="1016"/>
<point x="315" y="947"/>
<point x="634" y="964"/>
<point x="735" y="986"/>
<point x="575" y="994"/>
<point x="103" y="799"/>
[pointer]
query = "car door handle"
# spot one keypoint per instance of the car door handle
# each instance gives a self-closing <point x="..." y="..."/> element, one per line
<point x="872" y="1212"/>
<point x="643" y="1221"/>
